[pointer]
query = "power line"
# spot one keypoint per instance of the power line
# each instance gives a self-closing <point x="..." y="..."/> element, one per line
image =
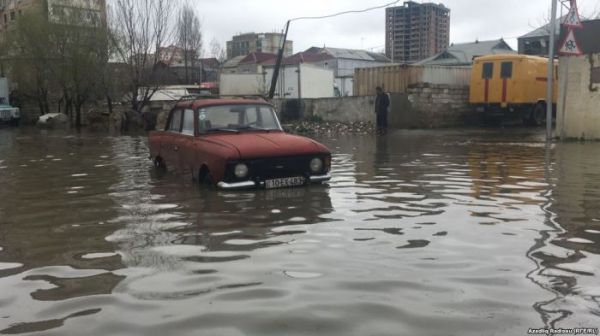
<point x="343" y="13"/>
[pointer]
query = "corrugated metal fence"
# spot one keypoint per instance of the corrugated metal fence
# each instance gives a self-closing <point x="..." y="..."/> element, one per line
<point x="397" y="78"/>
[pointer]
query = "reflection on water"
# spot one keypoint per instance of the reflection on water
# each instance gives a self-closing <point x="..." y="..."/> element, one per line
<point x="418" y="233"/>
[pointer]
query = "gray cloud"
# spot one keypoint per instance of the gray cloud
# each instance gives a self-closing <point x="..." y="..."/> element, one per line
<point x="470" y="20"/>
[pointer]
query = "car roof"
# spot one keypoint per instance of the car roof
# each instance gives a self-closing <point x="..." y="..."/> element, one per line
<point x="206" y="102"/>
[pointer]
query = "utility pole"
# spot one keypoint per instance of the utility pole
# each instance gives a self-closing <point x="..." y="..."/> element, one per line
<point x="278" y="62"/>
<point x="550" y="88"/>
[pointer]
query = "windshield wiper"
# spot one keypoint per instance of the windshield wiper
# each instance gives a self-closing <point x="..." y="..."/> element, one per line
<point x="243" y="128"/>
<point x="222" y="130"/>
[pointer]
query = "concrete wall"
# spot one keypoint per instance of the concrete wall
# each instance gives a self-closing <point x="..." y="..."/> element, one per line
<point x="423" y="106"/>
<point x="578" y="112"/>
<point x="436" y="106"/>
<point x="344" y="109"/>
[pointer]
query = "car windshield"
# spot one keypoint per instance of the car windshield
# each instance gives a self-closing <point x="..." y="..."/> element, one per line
<point x="235" y="118"/>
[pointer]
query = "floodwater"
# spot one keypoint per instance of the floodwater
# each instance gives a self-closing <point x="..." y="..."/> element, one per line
<point x="476" y="232"/>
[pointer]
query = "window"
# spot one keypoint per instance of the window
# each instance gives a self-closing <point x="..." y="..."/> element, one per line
<point x="506" y="70"/>
<point x="175" y="125"/>
<point x="250" y="117"/>
<point x="188" y="122"/>
<point x="237" y="117"/>
<point x="12" y="16"/>
<point x="488" y="70"/>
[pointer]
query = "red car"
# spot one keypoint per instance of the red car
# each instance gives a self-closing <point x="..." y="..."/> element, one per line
<point x="235" y="144"/>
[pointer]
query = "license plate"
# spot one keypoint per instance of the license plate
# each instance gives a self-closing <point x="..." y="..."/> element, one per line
<point x="284" y="182"/>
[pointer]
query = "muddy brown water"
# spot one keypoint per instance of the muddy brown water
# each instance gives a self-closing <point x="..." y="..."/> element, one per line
<point x="419" y="233"/>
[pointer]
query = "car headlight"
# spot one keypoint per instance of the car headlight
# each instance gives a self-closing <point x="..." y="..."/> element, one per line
<point x="316" y="165"/>
<point x="240" y="170"/>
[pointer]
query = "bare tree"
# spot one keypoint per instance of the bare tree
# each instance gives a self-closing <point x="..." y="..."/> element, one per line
<point x="32" y="66"/>
<point x="58" y="57"/>
<point x="139" y="29"/>
<point x="189" y="38"/>
<point x="217" y="51"/>
<point x="80" y="50"/>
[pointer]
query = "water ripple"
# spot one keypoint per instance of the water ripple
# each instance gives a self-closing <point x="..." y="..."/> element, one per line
<point x="418" y="233"/>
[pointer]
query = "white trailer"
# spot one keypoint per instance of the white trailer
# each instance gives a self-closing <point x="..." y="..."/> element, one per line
<point x="244" y="84"/>
<point x="8" y="113"/>
<point x="3" y="91"/>
<point x="303" y="81"/>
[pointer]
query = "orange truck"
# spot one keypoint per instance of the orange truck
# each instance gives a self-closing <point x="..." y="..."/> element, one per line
<point x="511" y="86"/>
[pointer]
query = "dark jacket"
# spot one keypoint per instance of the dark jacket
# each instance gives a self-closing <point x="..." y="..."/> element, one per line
<point x="382" y="102"/>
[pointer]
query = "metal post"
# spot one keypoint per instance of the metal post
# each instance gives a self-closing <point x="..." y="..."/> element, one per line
<point x="550" y="88"/>
<point x="565" y="66"/>
<point x="278" y="63"/>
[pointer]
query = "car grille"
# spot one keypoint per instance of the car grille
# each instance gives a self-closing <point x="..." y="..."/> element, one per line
<point x="279" y="167"/>
<point x="268" y="168"/>
<point x="5" y="114"/>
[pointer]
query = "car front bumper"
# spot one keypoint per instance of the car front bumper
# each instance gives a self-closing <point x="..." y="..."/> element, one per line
<point x="252" y="184"/>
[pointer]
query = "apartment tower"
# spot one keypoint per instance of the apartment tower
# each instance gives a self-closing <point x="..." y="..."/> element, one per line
<point x="415" y="31"/>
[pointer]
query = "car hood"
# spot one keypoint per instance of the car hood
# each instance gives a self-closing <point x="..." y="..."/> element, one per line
<point x="268" y="144"/>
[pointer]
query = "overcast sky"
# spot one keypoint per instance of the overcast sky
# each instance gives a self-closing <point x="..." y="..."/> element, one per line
<point x="469" y="20"/>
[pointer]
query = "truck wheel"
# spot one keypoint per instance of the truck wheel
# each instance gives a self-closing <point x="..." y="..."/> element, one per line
<point x="538" y="115"/>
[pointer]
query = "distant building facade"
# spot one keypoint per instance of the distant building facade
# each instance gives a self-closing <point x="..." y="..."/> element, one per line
<point x="269" y="43"/>
<point x="80" y="12"/>
<point x="416" y="31"/>
<point x="173" y="55"/>
<point x="342" y="62"/>
<point x="537" y="42"/>
<point x="249" y="64"/>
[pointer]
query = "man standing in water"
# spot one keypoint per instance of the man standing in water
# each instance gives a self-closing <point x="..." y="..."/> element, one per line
<point x="382" y="102"/>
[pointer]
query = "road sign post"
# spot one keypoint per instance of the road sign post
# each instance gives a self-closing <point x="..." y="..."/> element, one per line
<point x="569" y="47"/>
<point x="550" y="86"/>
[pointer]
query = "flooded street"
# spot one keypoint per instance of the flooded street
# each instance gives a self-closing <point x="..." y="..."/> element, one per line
<point x="476" y="232"/>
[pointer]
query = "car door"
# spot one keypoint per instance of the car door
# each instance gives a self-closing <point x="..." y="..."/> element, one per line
<point x="185" y="142"/>
<point x="169" y="144"/>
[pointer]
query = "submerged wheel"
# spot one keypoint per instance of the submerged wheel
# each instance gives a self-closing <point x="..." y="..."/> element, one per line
<point x="205" y="178"/>
<point x="208" y="180"/>
<point x="159" y="163"/>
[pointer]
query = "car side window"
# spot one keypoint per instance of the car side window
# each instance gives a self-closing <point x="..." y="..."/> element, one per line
<point x="175" y="121"/>
<point x="188" y="122"/>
